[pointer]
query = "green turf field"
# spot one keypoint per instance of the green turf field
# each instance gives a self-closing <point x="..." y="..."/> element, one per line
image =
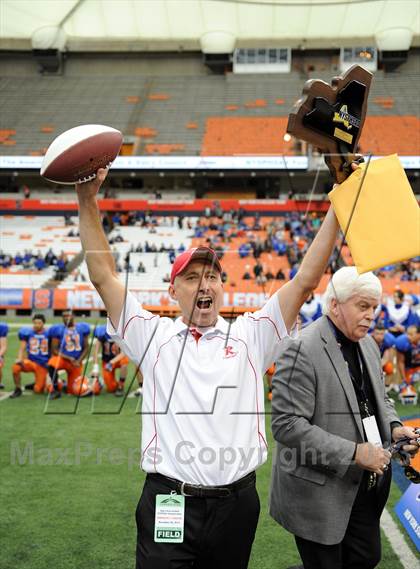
<point x="70" y="485"/>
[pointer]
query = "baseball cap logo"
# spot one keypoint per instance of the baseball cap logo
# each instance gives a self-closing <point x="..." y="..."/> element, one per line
<point x="196" y="253"/>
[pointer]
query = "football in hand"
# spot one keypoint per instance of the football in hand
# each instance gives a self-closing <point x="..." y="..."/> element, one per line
<point x="77" y="154"/>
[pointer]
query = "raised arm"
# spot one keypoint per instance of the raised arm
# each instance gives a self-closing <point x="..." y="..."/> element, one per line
<point x="99" y="259"/>
<point x="293" y="294"/>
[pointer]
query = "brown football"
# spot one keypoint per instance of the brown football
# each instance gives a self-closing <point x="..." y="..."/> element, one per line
<point x="77" y="154"/>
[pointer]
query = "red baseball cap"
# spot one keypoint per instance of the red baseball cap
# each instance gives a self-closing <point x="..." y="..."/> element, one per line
<point x="195" y="254"/>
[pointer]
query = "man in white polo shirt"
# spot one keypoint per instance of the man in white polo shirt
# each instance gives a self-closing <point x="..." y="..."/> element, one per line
<point x="203" y="432"/>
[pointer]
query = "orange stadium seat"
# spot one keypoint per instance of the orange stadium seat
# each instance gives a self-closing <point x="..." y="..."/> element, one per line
<point x="256" y="104"/>
<point x="5" y="135"/>
<point x="132" y="99"/>
<point x="384" y="102"/>
<point x="389" y="135"/>
<point x="231" y="107"/>
<point x="230" y="136"/>
<point x="145" y="132"/>
<point x="158" y="97"/>
<point x="163" y="148"/>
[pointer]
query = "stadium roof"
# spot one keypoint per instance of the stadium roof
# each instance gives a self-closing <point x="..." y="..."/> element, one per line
<point x="161" y="25"/>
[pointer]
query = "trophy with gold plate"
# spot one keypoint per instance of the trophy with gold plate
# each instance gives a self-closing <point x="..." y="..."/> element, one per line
<point x="331" y="117"/>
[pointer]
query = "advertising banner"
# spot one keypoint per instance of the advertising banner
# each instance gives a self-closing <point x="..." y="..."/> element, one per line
<point x="408" y="511"/>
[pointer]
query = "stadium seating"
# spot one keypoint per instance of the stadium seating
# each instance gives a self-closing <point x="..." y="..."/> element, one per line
<point x="157" y="264"/>
<point x="177" y="115"/>
<point x="37" y="235"/>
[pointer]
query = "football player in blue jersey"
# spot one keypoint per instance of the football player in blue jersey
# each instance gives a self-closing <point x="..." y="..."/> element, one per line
<point x="69" y="346"/>
<point x="34" y="342"/>
<point x="4" y="330"/>
<point x="112" y="359"/>
<point x="408" y="354"/>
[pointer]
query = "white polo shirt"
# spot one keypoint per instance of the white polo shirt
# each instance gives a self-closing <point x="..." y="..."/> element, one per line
<point x="203" y="401"/>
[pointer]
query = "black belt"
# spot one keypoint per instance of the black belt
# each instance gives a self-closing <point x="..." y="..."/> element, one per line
<point x="199" y="491"/>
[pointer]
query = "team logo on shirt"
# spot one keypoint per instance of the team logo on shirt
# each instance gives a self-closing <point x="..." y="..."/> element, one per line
<point x="229" y="352"/>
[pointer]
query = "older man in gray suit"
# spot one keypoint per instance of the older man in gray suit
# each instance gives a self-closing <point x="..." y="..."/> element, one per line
<point x="333" y="422"/>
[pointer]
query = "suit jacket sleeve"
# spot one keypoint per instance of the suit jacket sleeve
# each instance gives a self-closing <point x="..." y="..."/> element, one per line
<point x="293" y="406"/>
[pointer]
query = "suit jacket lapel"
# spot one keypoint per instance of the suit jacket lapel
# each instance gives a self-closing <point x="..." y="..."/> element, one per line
<point x="341" y="369"/>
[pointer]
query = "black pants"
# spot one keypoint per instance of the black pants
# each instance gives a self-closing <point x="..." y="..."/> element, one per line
<point x="218" y="532"/>
<point x="361" y="546"/>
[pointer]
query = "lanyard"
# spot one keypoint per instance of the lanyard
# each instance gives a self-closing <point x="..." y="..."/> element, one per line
<point x="362" y="398"/>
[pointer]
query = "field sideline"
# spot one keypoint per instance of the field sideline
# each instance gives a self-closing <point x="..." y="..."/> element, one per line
<point x="70" y="484"/>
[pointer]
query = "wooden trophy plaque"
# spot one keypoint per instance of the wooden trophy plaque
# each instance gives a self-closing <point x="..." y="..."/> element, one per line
<point x="331" y="117"/>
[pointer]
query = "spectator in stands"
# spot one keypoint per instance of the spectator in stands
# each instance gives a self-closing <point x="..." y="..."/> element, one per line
<point x="139" y="248"/>
<point x="141" y="268"/>
<point x="18" y="260"/>
<point x="243" y="250"/>
<point x="26" y="192"/>
<point x="106" y="223"/>
<point x="217" y="210"/>
<point x="247" y="275"/>
<point x="219" y="252"/>
<point x="68" y="220"/>
<point x="5" y="260"/>
<point x="280" y="276"/>
<point x="61" y="271"/>
<point x="408" y="271"/>
<point x="269" y="275"/>
<point x="258" y="269"/>
<point x="40" y="263"/>
<point x="128" y="267"/>
<point x="50" y="258"/>
<point x="172" y="255"/>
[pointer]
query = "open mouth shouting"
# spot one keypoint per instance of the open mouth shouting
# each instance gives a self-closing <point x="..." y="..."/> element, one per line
<point x="204" y="302"/>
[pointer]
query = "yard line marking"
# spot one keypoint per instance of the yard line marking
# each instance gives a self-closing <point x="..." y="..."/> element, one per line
<point x="397" y="541"/>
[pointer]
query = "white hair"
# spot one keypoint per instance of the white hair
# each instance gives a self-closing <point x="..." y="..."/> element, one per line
<point x="347" y="282"/>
